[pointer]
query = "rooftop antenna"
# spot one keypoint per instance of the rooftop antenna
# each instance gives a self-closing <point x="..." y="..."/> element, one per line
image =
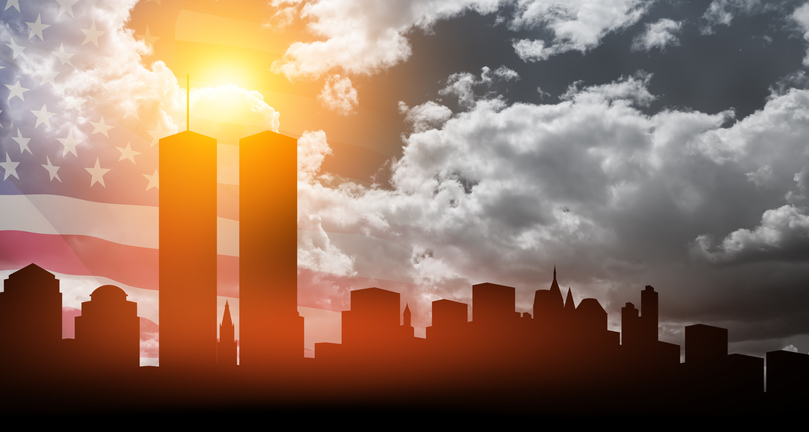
<point x="187" y="101"/>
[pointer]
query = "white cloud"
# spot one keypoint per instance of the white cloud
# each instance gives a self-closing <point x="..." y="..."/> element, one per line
<point x="722" y="12"/>
<point x="760" y="177"/>
<point x="532" y="50"/>
<point x="801" y="17"/>
<point x="364" y="36"/>
<point x="426" y="116"/>
<point x="657" y="35"/>
<point x="627" y="89"/>
<point x="782" y="234"/>
<point x="339" y="95"/>
<point x="464" y="85"/>
<point x="576" y="25"/>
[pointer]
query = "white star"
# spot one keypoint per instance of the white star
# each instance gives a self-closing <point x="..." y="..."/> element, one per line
<point x="47" y="77"/>
<point x="66" y="6"/>
<point x="16" y="90"/>
<point x="10" y="167"/>
<point x="154" y="180"/>
<point x="73" y="102"/>
<point x="15" y="3"/>
<point x="36" y="28"/>
<point x="127" y="153"/>
<point x="17" y="50"/>
<point x="156" y="135"/>
<point x="70" y="143"/>
<point x="64" y="57"/>
<point x="22" y="141"/>
<point x="43" y="116"/>
<point x="147" y="38"/>
<point x="52" y="170"/>
<point x="130" y="110"/>
<point x="91" y="34"/>
<point x="101" y="127"/>
<point x="98" y="174"/>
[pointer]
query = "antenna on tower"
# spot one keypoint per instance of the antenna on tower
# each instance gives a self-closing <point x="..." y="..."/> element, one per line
<point x="187" y="101"/>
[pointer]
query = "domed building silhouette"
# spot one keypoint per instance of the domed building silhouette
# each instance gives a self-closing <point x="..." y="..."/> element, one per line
<point x="108" y="330"/>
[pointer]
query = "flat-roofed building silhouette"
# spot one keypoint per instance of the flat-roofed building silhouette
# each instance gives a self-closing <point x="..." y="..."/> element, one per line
<point x="374" y="317"/>
<point x="449" y="320"/>
<point x="649" y="315"/>
<point x="493" y="304"/>
<point x="787" y="373"/>
<point x="271" y="328"/>
<point x="705" y="344"/>
<point x="187" y="251"/>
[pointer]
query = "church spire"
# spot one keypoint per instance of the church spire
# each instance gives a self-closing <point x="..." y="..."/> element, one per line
<point x="556" y="292"/>
<point x="570" y="305"/>
<point x="226" y="319"/>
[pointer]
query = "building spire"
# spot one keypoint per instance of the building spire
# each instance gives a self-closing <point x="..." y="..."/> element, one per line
<point x="570" y="305"/>
<point x="226" y="319"/>
<point x="556" y="292"/>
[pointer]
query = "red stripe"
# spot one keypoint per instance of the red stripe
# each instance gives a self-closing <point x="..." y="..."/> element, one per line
<point x="138" y="267"/>
<point x="90" y="256"/>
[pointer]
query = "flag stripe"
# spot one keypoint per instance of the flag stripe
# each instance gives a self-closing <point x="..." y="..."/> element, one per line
<point x="90" y="256"/>
<point x="129" y="225"/>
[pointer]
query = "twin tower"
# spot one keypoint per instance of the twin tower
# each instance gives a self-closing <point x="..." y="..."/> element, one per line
<point x="271" y="330"/>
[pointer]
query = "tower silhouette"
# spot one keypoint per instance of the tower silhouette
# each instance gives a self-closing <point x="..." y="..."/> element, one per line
<point x="271" y="328"/>
<point x="187" y="251"/>
<point x="226" y="348"/>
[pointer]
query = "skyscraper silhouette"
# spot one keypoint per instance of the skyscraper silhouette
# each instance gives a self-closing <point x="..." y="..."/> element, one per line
<point x="271" y="329"/>
<point x="187" y="251"/>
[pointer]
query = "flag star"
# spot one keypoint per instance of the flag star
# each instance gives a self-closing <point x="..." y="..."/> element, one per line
<point x="16" y="90"/>
<point x="91" y="34"/>
<point x="73" y="102"/>
<point x="15" y="3"/>
<point x="36" y="28"/>
<point x="70" y="143"/>
<point x="52" y="170"/>
<point x="154" y="180"/>
<point x="10" y="168"/>
<point x="127" y="153"/>
<point x="156" y="1"/>
<point x="156" y="135"/>
<point x="131" y="110"/>
<point x="66" y="6"/>
<point x="98" y="174"/>
<point x="43" y="116"/>
<point x="64" y="57"/>
<point x="47" y="77"/>
<point x="101" y="127"/>
<point x="22" y="141"/>
<point x="17" y="50"/>
<point x="148" y="38"/>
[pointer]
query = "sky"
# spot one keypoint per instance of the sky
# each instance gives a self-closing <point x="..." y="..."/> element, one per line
<point x="442" y="143"/>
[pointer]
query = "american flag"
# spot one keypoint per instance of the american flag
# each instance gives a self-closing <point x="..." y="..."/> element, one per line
<point x="80" y="131"/>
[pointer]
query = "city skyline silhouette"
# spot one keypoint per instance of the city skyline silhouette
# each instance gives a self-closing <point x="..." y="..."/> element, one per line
<point x="560" y="359"/>
<point x="524" y="209"/>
